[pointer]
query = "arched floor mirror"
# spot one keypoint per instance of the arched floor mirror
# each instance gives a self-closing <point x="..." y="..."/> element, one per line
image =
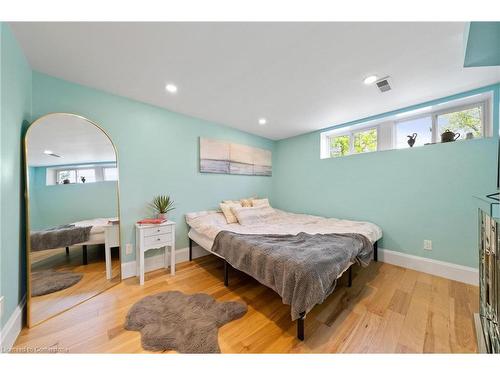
<point x="72" y="214"/>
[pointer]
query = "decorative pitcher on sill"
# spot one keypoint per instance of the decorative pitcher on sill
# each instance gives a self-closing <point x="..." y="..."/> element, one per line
<point x="411" y="139"/>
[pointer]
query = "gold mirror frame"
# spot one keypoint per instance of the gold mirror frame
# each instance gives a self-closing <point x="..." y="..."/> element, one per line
<point x="27" y="213"/>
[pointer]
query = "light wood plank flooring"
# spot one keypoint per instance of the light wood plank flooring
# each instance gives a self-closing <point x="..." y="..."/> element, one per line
<point x="388" y="309"/>
<point x="93" y="282"/>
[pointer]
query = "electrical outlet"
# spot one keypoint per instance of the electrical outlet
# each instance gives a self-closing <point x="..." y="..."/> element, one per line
<point x="427" y="245"/>
<point x="129" y="249"/>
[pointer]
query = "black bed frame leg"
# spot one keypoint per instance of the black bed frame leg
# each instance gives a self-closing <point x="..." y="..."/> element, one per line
<point x="67" y="250"/>
<point x="375" y="251"/>
<point x="300" y="326"/>
<point x="190" y="249"/>
<point x="349" y="282"/>
<point x="226" y="273"/>
<point x="84" y="253"/>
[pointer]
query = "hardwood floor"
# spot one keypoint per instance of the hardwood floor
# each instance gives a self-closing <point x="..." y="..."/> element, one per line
<point x="93" y="282"/>
<point x="388" y="309"/>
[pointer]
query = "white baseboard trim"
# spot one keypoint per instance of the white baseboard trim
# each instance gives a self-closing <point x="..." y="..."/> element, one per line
<point x="12" y="328"/>
<point x="447" y="270"/>
<point x="129" y="269"/>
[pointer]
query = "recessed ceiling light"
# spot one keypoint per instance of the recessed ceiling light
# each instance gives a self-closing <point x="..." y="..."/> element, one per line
<point x="171" y="88"/>
<point x="369" y="80"/>
<point x="262" y="121"/>
<point x="50" y="153"/>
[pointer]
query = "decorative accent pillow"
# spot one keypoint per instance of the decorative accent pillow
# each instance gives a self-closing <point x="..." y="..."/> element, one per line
<point x="228" y="213"/>
<point x="260" y="203"/>
<point x="252" y="215"/>
<point x="246" y="202"/>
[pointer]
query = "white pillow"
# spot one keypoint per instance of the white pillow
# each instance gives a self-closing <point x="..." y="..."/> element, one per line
<point x="230" y="201"/>
<point x="228" y="213"/>
<point x="260" y="202"/>
<point x="194" y="215"/>
<point x="252" y="215"/>
<point x="199" y="219"/>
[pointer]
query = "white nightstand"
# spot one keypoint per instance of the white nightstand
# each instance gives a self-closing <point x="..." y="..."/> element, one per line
<point x="154" y="236"/>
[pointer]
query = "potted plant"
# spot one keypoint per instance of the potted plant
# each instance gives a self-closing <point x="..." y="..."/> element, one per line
<point x="162" y="204"/>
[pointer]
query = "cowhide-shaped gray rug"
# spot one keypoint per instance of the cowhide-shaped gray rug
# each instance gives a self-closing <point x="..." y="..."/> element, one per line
<point x="181" y="322"/>
<point x="50" y="281"/>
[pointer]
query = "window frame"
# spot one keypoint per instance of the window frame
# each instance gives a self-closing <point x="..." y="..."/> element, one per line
<point x="376" y="128"/>
<point x="98" y="172"/>
<point x="483" y="105"/>
<point x="386" y="127"/>
<point x="58" y="171"/>
<point x="411" y="118"/>
<point x="351" y="134"/>
<point x="78" y="176"/>
<point x="104" y="172"/>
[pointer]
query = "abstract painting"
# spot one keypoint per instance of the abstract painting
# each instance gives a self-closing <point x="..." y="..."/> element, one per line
<point x="230" y="158"/>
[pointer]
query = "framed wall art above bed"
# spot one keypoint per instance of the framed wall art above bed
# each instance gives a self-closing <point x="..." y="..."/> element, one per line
<point x="223" y="157"/>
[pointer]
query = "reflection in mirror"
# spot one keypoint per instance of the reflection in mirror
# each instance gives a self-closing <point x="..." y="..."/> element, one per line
<point x="72" y="206"/>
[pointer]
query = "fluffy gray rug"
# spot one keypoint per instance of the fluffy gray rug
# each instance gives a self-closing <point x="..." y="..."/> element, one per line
<point x="177" y="321"/>
<point x="50" y="281"/>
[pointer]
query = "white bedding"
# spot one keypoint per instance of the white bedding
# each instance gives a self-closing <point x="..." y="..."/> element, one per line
<point x="210" y="223"/>
<point x="97" y="224"/>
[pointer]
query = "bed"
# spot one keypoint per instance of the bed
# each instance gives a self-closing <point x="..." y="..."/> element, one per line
<point x="94" y="232"/>
<point x="208" y="229"/>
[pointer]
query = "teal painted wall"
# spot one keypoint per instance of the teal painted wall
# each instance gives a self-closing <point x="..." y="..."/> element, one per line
<point x="413" y="194"/>
<point x="62" y="204"/>
<point x="422" y="193"/>
<point x="15" y="115"/>
<point x="157" y="152"/>
<point x="482" y="44"/>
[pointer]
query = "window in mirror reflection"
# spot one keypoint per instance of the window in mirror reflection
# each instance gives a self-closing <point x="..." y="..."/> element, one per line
<point x="110" y="174"/>
<point x="85" y="175"/>
<point x="66" y="177"/>
<point x="81" y="174"/>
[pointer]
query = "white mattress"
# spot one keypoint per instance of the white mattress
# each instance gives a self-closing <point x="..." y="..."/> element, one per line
<point x="94" y="239"/>
<point x="97" y="224"/>
<point x="209" y="223"/>
<point x="204" y="226"/>
<point x="201" y="239"/>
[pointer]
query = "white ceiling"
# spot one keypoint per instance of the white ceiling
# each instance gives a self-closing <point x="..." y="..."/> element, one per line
<point x="300" y="76"/>
<point x="75" y="139"/>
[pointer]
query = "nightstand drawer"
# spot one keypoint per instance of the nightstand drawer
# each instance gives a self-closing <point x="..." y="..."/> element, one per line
<point x="157" y="230"/>
<point x="160" y="240"/>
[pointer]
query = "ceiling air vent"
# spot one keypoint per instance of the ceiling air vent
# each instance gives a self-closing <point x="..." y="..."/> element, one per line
<point x="383" y="84"/>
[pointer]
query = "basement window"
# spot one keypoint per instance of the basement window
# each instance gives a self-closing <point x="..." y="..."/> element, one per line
<point x="469" y="118"/>
<point x="81" y="174"/>
<point x="419" y="129"/>
<point x="66" y="176"/>
<point x="356" y="142"/>
<point x="468" y="121"/>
